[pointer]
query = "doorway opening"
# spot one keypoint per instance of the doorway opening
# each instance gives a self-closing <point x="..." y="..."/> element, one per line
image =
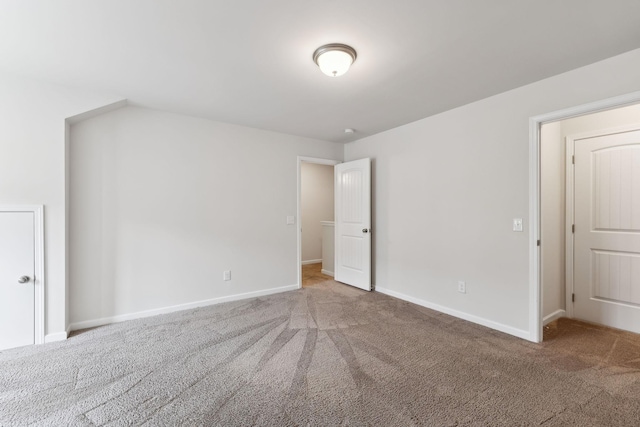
<point x="315" y="220"/>
<point x="564" y="199"/>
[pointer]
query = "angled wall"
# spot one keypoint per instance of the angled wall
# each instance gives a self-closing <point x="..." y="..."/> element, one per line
<point x="446" y="189"/>
<point x="33" y="169"/>
<point x="162" y="204"/>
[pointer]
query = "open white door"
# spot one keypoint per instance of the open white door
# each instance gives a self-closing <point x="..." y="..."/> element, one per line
<point x="353" y="223"/>
<point x="607" y="230"/>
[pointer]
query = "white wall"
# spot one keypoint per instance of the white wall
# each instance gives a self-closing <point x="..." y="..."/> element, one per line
<point x="316" y="205"/>
<point x="447" y="187"/>
<point x="553" y="165"/>
<point x="32" y="169"/>
<point x="445" y="191"/>
<point x="162" y="204"/>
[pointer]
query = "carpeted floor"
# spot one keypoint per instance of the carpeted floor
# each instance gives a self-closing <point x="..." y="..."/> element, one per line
<point x="312" y="275"/>
<point x="325" y="355"/>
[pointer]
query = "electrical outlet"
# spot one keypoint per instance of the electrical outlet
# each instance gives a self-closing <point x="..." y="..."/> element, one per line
<point x="226" y="276"/>
<point x="462" y="287"/>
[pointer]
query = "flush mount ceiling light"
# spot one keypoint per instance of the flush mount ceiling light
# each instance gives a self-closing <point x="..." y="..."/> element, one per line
<point x="334" y="59"/>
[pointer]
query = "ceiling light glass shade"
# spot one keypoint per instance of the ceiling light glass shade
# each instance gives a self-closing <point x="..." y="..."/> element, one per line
<point x="334" y="59"/>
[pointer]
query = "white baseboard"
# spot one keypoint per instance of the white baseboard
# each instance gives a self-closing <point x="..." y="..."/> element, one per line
<point x="459" y="314"/>
<point x="327" y="272"/>
<point x="57" y="336"/>
<point x="311" y="261"/>
<point x="148" y="313"/>
<point x="553" y="316"/>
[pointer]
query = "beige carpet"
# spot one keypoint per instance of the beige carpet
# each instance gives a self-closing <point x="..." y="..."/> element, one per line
<point x="312" y="275"/>
<point x="325" y="355"/>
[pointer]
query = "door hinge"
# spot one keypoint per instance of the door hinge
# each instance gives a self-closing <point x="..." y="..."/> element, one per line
<point x="573" y="297"/>
<point x="538" y="242"/>
<point x="573" y="228"/>
<point x="573" y="160"/>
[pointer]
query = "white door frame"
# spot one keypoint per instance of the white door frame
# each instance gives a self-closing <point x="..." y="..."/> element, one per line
<point x="535" y="285"/>
<point x="299" y="206"/>
<point x="39" y="279"/>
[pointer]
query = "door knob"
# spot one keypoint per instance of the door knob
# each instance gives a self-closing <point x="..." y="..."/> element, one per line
<point x="365" y="230"/>
<point x="24" y="279"/>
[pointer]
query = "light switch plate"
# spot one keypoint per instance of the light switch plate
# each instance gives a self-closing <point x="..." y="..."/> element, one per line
<point x="291" y="220"/>
<point x="517" y="224"/>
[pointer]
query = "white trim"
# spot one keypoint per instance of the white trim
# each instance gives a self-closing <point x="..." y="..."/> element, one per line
<point x="311" y="261"/>
<point x="58" y="336"/>
<point x="40" y="279"/>
<point x="535" y="287"/>
<point x="568" y="234"/>
<point x="520" y="333"/>
<point x="604" y="132"/>
<point x="299" y="161"/>
<point x="154" y="312"/>
<point x="40" y="282"/>
<point x="327" y="272"/>
<point x="554" y="316"/>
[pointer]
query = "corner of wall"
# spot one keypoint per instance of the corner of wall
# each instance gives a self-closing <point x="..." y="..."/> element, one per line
<point x="67" y="136"/>
<point x="96" y="111"/>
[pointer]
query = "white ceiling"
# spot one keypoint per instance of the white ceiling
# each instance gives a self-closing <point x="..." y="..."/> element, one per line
<point x="249" y="61"/>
